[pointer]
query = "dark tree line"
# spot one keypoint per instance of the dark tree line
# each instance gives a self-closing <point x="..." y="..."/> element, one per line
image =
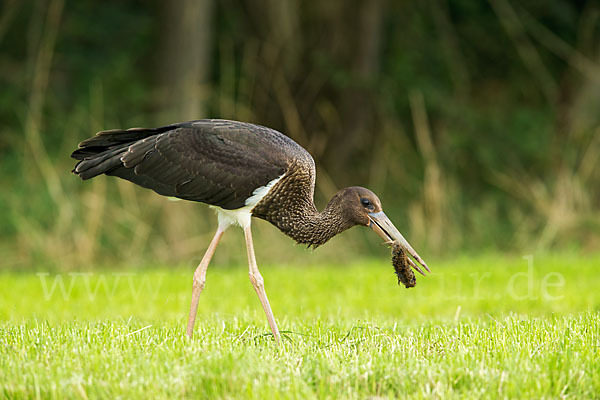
<point x="460" y="112"/>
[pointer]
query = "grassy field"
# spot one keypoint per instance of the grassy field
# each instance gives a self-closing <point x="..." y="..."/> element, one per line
<point x="482" y="327"/>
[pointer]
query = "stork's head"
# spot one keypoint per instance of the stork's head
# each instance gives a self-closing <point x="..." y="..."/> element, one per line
<point x="363" y="207"/>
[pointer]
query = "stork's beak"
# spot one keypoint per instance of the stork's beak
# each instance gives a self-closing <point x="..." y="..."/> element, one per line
<point x="382" y="225"/>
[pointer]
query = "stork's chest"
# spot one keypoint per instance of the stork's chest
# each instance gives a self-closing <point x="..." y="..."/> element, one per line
<point x="289" y="198"/>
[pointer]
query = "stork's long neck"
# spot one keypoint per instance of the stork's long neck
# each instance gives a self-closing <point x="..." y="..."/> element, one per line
<point x="316" y="228"/>
<point x="299" y="218"/>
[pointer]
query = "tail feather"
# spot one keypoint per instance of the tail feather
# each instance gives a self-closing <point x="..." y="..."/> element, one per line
<point x="102" y="153"/>
<point x="106" y="161"/>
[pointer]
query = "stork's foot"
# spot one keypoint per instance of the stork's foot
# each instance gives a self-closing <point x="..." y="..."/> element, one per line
<point x="259" y="286"/>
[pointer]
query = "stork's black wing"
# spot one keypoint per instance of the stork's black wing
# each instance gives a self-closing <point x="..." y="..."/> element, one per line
<point x="212" y="161"/>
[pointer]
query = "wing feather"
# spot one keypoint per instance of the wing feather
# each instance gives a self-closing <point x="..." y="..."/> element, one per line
<point x="212" y="161"/>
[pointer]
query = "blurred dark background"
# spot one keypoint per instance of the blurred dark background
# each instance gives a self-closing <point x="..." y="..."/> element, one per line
<point x="477" y="122"/>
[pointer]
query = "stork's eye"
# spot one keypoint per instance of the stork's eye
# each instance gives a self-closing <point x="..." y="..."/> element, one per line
<point x="366" y="203"/>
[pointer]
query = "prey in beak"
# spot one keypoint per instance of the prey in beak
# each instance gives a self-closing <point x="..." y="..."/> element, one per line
<point x="381" y="224"/>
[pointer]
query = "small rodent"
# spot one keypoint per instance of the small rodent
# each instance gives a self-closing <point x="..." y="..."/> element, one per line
<point x="405" y="274"/>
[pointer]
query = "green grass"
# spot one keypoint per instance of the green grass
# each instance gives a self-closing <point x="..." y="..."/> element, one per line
<point x="473" y="329"/>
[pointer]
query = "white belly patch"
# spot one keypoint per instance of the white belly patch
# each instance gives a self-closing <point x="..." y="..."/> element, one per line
<point x="241" y="216"/>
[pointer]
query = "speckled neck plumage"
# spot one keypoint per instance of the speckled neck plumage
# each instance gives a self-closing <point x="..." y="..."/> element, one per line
<point x="306" y="225"/>
<point x="291" y="208"/>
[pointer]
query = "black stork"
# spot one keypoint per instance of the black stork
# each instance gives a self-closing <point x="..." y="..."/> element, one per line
<point x="242" y="170"/>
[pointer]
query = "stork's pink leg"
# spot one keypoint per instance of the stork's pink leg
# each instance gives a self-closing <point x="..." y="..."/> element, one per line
<point x="259" y="284"/>
<point x="200" y="278"/>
